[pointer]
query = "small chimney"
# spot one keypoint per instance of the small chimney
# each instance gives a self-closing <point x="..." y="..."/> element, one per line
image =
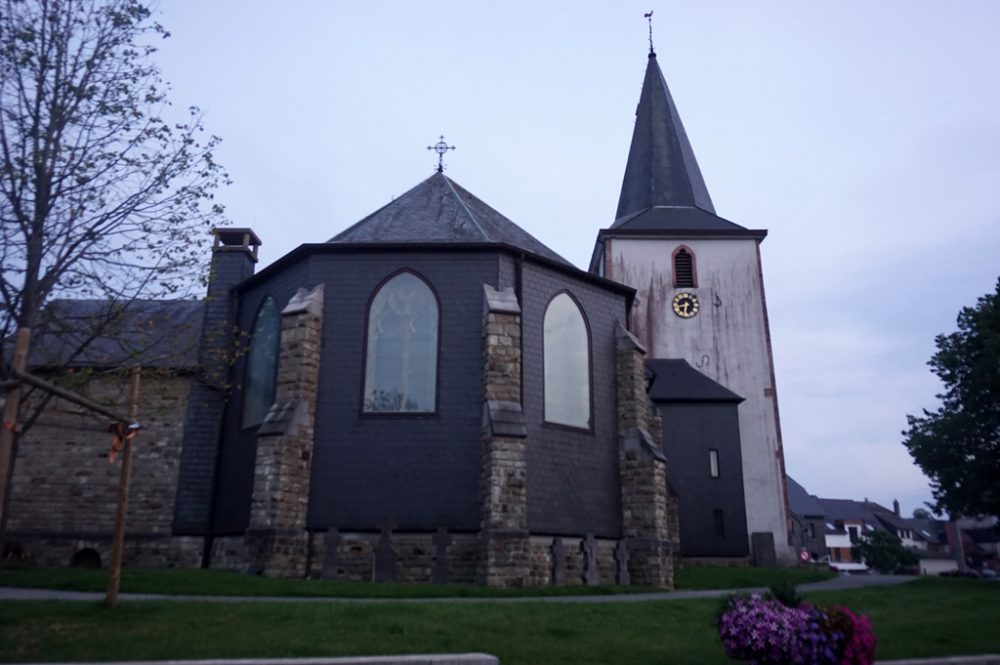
<point x="895" y="507"/>
<point x="236" y="239"/>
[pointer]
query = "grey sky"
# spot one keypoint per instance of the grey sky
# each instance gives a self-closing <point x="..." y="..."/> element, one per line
<point x="865" y="136"/>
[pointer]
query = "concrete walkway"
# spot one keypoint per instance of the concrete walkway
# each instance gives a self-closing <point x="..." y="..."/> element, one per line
<point x="840" y="582"/>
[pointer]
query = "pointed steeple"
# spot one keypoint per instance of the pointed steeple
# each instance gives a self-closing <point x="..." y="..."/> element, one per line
<point x="661" y="169"/>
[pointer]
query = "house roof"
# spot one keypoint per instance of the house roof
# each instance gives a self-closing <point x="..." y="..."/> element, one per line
<point x="439" y="210"/>
<point x="839" y="510"/>
<point x="930" y="529"/>
<point x="661" y="168"/>
<point x="151" y="333"/>
<point x="674" y="380"/>
<point x="801" y="502"/>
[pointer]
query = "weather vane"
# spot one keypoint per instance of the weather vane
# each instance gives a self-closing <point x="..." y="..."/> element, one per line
<point x="440" y="148"/>
<point x="649" y="17"/>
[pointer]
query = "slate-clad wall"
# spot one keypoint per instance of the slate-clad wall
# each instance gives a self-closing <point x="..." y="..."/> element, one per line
<point x="420" y="471"/>
<point x="691" y="430"/>
<point x="234" y="481"/>
<point x="573" y="485"/>
<point x="207" y="400"/>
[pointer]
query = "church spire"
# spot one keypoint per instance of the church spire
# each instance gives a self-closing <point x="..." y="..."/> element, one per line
<point x="661" y="168"/>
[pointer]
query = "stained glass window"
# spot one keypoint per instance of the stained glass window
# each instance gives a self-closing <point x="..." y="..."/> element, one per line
<point x="260" y="382"/>
<point x="567" y="364"/>
<point x="401" y="366"/>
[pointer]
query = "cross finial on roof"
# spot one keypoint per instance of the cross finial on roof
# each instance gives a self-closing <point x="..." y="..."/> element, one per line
<point x="649" y="17"/>
<point x="440" y="148"/>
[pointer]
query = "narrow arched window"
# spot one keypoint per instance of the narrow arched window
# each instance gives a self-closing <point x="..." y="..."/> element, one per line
<point x="401" y="363"/>
<point x="567" y="363"/>
<point x="684" y="268"/>
<point x="260" y="381"/>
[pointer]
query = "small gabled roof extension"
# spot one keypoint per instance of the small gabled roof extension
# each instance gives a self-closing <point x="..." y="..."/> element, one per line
<point x="439" y="210"/>
<point x="674" y="380"/>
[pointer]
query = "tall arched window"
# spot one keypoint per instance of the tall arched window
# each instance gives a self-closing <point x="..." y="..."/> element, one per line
<point x="567" y="363"/>
<point x="260" y="380"/>
<point x="684" y="275"/>
<point x="401" y="363"/>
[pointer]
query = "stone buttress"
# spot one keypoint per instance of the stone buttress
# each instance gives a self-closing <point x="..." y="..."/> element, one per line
<point x="276" y="540"/>
<point x="645" y="501"/>
<point x="505" y="558"/>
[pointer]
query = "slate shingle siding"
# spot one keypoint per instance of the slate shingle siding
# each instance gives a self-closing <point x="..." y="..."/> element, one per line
<point x="234" y="481"/>
<point x="206" y="402"/>
<point x="573" y="484"/>
<point x="422" y="471"/>
<point x="691" y="430"/>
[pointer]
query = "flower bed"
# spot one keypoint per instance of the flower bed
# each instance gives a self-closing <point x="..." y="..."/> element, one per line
<point x="763" y="631"/>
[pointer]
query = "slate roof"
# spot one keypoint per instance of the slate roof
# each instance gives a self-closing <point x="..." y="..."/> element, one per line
<point x="681" y="220"/>
<point x="838" y="510"/>
<point x="153" y="333"/>
<point x="661" y="168"/>
<point x="801" y="502"/>
<point x="439" y="210"/>
<point x="674" y="380"/>
<point x="663" y="190"/>
<point x="936" y="530"/>
<point x="888" y="517"/>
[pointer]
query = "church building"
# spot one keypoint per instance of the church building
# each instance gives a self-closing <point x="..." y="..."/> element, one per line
<point x="435" y="395"/>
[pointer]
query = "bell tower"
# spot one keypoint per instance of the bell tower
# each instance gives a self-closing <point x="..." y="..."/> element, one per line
<point x="700" y="295"/>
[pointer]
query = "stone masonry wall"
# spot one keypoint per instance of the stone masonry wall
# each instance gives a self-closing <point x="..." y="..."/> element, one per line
<point x="64" y="489"/>
<point x="276" y="538"/>
<point x="543" y="566"/>
<point x="415" y="555"/>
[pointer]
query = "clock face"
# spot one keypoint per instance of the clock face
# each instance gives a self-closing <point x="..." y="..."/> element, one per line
<point x="686" y="305"/>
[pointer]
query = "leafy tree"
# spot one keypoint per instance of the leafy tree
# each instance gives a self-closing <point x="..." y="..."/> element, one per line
<point x="921" y="513"/>
<point x="958" y="446"/>
<point x="884" y="552"/>
<point x="103" y="194"/>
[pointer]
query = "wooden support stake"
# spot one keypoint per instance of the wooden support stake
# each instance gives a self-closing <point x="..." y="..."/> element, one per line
<point x="9" y="427"/>
<point x="118" y="544"/>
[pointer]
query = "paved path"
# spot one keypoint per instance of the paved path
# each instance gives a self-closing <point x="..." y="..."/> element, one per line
<point x="840" y="582"/>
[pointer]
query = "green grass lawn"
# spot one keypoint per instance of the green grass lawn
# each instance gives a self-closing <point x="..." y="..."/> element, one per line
<point x="223" y="583"/>
<point x="715" y="577"/>
<point x="200" y="582"/>
<point x="929" y="617"/>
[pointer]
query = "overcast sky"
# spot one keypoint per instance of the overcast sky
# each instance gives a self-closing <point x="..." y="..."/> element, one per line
<point x="865" y="136"/>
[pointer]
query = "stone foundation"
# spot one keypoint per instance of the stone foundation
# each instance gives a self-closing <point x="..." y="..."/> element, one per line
<point x="544" y="572"/>
<point x="58" y="551"/>
<point x="414" y="556"/>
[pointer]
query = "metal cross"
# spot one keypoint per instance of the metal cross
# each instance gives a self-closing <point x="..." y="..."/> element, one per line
<point x="649" y="17"/>
<point x="440" y="148"/>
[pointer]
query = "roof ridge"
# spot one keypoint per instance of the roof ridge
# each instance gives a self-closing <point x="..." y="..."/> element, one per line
<point x="475" y="221"/>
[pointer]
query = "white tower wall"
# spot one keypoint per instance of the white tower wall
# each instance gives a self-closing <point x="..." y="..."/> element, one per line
<point x="728" y="341"/>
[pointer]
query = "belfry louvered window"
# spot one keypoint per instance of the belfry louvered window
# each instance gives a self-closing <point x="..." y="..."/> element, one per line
<point x="684" y="268"/>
